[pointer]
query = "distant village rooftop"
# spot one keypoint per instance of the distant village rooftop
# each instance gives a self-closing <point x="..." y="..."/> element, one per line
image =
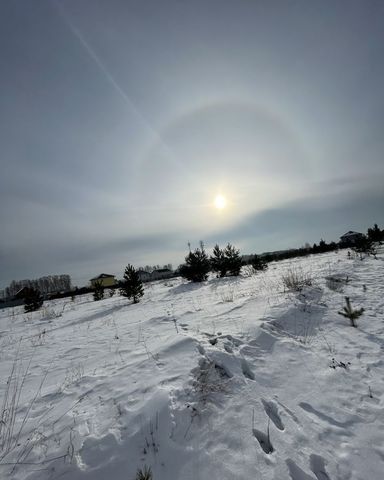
<point x="104" y="279"/>
<point x="351" y="234"/>
<point x="102" y="275"/>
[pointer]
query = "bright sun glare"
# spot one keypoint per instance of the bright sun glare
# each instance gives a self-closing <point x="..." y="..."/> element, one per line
<point x="220" y="202"/>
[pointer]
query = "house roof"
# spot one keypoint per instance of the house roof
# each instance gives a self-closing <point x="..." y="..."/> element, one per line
<point x="163" y="270"/>
<point x="350" y="234"/>
<point x="103" y="275"/>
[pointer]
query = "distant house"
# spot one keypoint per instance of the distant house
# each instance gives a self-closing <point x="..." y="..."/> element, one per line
<point x="162" y="273"/>
<point x="144" y="275"/>
<point x="350" y="238"/>
<point x="104" y="279"/>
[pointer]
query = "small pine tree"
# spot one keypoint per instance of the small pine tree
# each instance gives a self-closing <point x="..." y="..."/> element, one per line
<point x="349" y="312"/>
<point x="144" y="474"/>
<point x="258" y="263"/>
<point x="218" y="261"/>
<point x="322" y="246"/>
<point x="98" y="292"/>
<point x="197" y="265"/>
<point x="132" y="286"/>
<point x="364" y="245"/>
<point x="32" y="300"/>
<point x="375" y="234"/>
<point x="232" y="260"/>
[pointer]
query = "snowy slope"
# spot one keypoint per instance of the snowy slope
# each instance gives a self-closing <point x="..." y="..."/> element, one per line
<point x="190" y="380"/>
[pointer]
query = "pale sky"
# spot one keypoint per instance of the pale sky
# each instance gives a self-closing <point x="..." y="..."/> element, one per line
<point x="121" y="120"/>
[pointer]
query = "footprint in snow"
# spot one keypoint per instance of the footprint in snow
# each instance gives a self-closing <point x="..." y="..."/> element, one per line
<point x="246" y="369"/>
<point x="296" y="472"/>
<point x="325" y="418"/>
<point x="289" y="411"/>
<point x="272" y="412"/>
<point x="264" y="441"/>
<point x="228" y="348"/>
<point x="200" y="349"/>
<point x="317" y="465"/>
<point x="236" y="342"/>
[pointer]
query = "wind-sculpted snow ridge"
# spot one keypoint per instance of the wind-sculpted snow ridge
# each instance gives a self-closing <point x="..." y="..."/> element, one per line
<point x="229" y="379"/>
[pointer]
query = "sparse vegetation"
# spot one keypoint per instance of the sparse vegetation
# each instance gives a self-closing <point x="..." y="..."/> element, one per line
<point x="210" y="378"/>
<point x="228" y="294"/>
<point x="296" y="279"/>
<point x="13" y="418"/>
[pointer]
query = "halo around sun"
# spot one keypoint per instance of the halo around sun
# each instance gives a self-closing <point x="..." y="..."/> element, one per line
<point x="220" y="202"/>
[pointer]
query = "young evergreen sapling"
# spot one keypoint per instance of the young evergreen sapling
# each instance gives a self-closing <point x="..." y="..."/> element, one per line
<point x="132" y="286"/>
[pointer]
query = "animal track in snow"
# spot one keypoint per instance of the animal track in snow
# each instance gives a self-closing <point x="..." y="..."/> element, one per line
<point x="272" y="412"/>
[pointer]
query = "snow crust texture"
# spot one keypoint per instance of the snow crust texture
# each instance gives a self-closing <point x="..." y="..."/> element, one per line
<point x="234" y="378"/>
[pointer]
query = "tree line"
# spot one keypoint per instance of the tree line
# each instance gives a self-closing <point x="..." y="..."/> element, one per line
<point x="198" y="264"/>
<point x="45" y="285"/>
<point x="228" y="261"/>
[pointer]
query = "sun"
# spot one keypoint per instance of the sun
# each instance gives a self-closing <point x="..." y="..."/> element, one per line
<point x="220" y="202"/>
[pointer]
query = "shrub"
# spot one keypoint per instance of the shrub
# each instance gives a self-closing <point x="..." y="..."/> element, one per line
<point x="32" y="300"/>
<point x="132" y="286"/>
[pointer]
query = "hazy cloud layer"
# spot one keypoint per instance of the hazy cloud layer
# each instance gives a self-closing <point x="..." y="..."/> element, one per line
<point x="120" y="120"/>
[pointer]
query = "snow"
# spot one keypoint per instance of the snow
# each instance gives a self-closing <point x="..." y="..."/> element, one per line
<point x="190" y="380"/>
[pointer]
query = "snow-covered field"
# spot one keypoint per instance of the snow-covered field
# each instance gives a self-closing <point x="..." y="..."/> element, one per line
<point x="190" y="381"/>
